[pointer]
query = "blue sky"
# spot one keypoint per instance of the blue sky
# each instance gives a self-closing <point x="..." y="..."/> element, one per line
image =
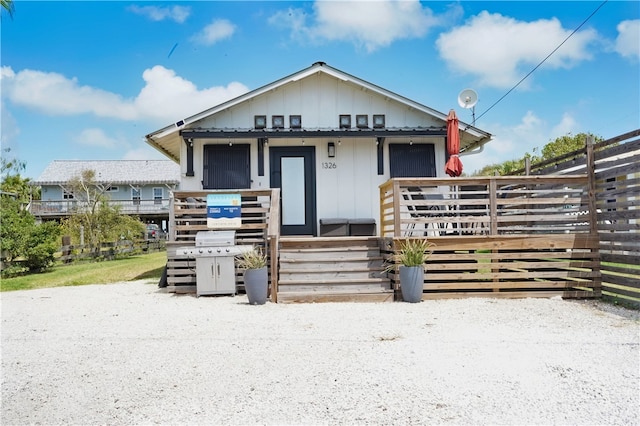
<point x="89" y="79"/>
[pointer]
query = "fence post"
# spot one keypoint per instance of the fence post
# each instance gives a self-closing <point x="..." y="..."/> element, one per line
<point x="593" y="214"/>
<point x="493" y="206"/>
<point x="66" y="248"/>
<point x="591" y="186"/>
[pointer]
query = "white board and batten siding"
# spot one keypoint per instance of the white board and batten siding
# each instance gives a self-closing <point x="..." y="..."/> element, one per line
<point x="346" y="185"/>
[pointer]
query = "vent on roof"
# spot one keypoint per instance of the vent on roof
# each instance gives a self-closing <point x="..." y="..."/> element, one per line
<point x="319" y="63"/>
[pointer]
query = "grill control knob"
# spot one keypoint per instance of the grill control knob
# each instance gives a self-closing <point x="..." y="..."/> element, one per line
<point x="227" y="249"/>
<point x="200" y="250"/>
<point x="219" y="250"/>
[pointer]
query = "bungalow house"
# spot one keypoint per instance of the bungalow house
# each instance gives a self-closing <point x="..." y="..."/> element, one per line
<point x="326" y="138"/>
<point x="138" y="187"/>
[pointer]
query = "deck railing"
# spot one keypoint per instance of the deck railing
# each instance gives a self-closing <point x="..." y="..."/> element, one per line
<point x="485" y="206"/>
<point x="61" y="208"/>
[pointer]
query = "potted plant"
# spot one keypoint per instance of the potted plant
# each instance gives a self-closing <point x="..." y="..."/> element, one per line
<point x="411" y="256"/>
<point x="256" y="280"/>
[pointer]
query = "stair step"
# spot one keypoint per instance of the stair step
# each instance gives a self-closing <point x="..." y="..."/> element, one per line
<point x="329" y="296"/>
<point x="329" y="256"/>
<point x="345" y="282"/>
<point x="299" y="269"/>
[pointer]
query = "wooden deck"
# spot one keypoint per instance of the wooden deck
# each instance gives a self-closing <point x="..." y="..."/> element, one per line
<point x="514" y="237"/>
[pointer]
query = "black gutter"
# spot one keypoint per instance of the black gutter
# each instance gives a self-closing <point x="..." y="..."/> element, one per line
<point x="303" y="133"/>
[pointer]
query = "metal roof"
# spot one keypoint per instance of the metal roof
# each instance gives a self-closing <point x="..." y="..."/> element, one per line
<point x="140" y="172"/>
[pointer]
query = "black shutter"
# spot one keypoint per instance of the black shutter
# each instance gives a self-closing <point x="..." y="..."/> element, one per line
<point x="226" y="167"/>
<point x="416" y="160"/>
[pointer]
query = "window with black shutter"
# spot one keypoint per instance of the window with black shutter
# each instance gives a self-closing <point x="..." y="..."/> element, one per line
<point x="226" y="167"/>
<point x="412" y="160"/>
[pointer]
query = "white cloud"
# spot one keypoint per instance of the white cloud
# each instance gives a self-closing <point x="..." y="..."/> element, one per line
<point x="143" y="153"/>
<point x="54" y="94"/>
<point x="500" y="50"/>
<point x="371" y="25"/>
<point x="219" y="29"/>
<point x="628" y="40"/>
<point x="9" y="130"/>
<point x="165" y="98"/>
<point x="96" y="138"/>
<point x="178" y="14"/>
<point x="566" y="125"/>
<point x="178" y="97"/>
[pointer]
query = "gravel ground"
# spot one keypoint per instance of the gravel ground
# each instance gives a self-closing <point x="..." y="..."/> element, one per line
<point x="127" y="353"/>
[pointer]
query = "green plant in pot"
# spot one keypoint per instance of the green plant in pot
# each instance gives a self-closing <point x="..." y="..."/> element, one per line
<point x="411" y="257"/>
<point x="256" y="275"/>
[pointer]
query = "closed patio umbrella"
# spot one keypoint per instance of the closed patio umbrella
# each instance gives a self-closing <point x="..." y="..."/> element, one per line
<point x="454" y="166"/>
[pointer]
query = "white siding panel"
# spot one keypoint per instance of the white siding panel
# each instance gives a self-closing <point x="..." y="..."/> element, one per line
<point x="320" y="99"/>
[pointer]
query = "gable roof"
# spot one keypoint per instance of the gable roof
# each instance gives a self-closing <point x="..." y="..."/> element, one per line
<point x="139" y="172"/>
<point x="168" y="141"/>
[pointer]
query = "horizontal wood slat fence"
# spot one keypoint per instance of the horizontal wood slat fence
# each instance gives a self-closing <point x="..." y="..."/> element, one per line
<point x="616" y="184"/>
<point x="496" y="236"/>
<point x="188" y="216"/>
<point x="564" y="265"/>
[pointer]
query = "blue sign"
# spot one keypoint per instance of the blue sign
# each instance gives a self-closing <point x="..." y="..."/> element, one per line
<point x="224" y="211"/>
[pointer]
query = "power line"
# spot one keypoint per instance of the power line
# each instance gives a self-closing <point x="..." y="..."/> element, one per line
<point x="544" y="60"/>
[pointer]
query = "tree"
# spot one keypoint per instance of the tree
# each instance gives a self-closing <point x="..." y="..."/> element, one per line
<point x="554" y="149"/>
<point x="565" y="144"/>
<point x="20" y="236"/>
<point x="93" y="216"/>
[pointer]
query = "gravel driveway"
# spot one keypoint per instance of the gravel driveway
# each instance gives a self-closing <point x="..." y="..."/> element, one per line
<point x="126" y="353"/>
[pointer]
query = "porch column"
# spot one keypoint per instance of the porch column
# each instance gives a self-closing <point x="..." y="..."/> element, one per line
<point x="189" y="143"/>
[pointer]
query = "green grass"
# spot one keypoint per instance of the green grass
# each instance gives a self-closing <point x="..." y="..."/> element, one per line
<point x="147" y="266"/>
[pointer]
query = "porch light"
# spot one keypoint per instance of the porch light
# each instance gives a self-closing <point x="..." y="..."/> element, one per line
<point x="331" y="149"/>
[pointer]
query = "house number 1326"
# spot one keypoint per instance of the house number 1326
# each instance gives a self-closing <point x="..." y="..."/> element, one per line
<point x="329" y="165"/>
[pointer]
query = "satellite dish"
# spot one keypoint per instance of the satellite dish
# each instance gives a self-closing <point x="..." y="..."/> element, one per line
<point x="468" y="98"/>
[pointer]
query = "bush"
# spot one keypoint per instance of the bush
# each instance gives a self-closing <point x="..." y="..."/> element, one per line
<point x="42" y="244"/>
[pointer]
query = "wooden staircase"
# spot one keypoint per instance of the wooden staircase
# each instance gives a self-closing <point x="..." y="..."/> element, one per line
<point x="332" y="269"/>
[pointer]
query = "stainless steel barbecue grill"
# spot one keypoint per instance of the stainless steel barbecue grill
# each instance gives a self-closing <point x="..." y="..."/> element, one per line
<point x="214" y="254"/>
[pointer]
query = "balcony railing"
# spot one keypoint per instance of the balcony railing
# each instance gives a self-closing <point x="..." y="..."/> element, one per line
<point x="68" y="207"/>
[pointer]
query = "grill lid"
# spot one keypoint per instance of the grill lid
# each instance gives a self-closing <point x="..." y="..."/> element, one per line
<point x="215" y="238"/>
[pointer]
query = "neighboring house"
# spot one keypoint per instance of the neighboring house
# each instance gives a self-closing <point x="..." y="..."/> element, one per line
<point x="326" y="138"/>
<point x="138" y="187"/>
